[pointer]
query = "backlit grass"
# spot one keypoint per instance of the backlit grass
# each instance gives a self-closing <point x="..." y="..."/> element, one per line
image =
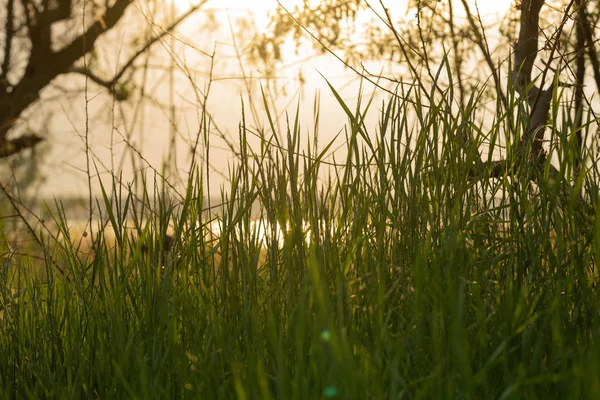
<point x="396" y="274"/>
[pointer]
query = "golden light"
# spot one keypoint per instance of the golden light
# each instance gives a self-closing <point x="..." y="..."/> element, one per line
<point x="257" y="6"/>
<point x="260" y="8"/>
<point x="486" y="7"/>
<point x="182" y="5"/>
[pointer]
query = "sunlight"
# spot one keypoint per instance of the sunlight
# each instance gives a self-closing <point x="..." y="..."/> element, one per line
<point x="260" y="8"/>
<point x="183" y="4"/>
<point x="487" y="7"/>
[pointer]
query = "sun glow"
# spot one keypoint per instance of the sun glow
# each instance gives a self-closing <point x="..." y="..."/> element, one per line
<point x="257" y="5"/>
<point x="183" y="5"/>
<point x="260" y="8"/>
<point x="485" y="7"/>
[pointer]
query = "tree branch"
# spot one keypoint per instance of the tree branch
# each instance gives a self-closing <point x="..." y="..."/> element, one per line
<point x="163" y="33"/>
<point x="86" y="42"/>
<point x="525" y="54"/>
<point x="591" y="47"/>
<point x="45" y="65"/>
<point x="60" y="13"/>
<point x="491" y="169"/>
<point x="8" y="38"/>
<point x="537" y="120"/>
<point x="119" y="95"/>
<point x="579" y="77"/>
<point x="111" y="84"/>
<point x="527" y="45"/>
<point x="481" y="41"/>
<point x="10" y="147"/>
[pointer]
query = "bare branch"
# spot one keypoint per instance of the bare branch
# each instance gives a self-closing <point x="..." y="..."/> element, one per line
<point x="527" y="45"/>
<point x="491" y="169"/>
<point x="8" y="37"/>
<point x="579" y="77"/>
<point x="44" y="65"/>
<point x="525" y="54"/>
<point x="119" y="95"/>
<point x="155" y="39"/>
<point x="86" y="42"/>
<point x="482" y="43"/>
<point x="19" y="144"/>
<point x="60" y="13"/>
<point x="538" y="118"/>
<point x="591" y="46"/>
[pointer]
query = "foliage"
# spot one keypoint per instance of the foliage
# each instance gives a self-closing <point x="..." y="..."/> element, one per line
<point x="413" y="39"/>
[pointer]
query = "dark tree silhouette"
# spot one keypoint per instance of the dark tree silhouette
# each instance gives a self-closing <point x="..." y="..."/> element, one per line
<point x="35" y="49"/>
<point x="567" y="57"/>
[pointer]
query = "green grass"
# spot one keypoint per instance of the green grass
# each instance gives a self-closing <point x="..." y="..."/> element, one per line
<point x="396" y="278"/>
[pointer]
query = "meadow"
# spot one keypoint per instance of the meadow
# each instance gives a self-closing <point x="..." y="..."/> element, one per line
<point x="404" y="270"/>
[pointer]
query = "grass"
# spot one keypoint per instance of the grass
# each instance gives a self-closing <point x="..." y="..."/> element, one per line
<point x="398" y="274"/>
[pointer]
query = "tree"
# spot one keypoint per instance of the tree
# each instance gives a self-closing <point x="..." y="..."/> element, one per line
<point x="566" y="60"/>
<point x="44" y="39"/>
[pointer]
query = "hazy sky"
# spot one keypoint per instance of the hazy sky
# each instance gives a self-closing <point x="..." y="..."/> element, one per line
<point x="150" y="126"/>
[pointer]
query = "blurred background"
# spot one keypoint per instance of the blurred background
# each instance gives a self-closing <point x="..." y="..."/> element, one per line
<point x="220" y="58"/>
